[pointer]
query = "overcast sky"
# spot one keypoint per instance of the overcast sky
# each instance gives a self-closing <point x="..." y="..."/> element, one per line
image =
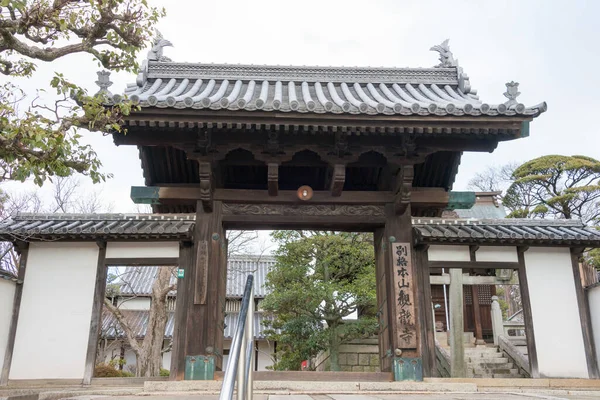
<point x="550" y="47"/>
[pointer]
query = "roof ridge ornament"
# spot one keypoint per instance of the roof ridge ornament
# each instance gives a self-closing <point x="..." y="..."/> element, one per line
<point x="512" y="92"/>
<point x="158" y="44"/>
<point x="446" y="57"/>
<point x="104" y="83"/>
<point x="155" y="54"/>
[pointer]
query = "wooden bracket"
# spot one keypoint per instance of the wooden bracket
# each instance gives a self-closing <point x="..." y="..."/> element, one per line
<point x="338" y="179"/>
<point x="404" y="179"/>
<point x="273" y="178"/>
<point x="206" y="195"/>
<point x="203" y="141"/>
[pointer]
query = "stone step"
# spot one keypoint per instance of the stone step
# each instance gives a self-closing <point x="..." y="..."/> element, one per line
<point x="481" y="350"/>
<point x="494" y="360"/>
<point x="507" y="365"/>
<point x="484" y="355"/>
<point x="494" y="371"/>
<point x="507" y="376"/>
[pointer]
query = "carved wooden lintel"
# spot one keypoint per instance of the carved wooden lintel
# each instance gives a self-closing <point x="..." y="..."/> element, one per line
<point x="310" y="210"/>
<point x="404" y="179"/>
<point x="338" y="179"/>
<point x="273" y="178"/>
<point x="206" y="195"/>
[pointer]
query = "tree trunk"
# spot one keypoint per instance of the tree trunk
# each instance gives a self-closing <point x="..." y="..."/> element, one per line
<point x="149" y="359"/>
<point x="334" y="350"/>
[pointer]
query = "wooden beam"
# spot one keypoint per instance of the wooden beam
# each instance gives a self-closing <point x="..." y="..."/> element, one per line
<point x="186" y="255"/>
<point x="420" y="197"/>
<point x="273" y="178"/>
<point x="474" y="264"/>
<point x="444" y="279"/>
<point x="153" y="261"/>
<point x="12" y="330"/>
<point x="585" y="317"/>
<point x="527" y="315"/>
<point x="403" y="188"/>
<point x="95" y="320"/>
<point x="205" y="173"/>
<point x="477" y="314"/>
<point x="426" y="312"/>
<point x="338" y="179"/>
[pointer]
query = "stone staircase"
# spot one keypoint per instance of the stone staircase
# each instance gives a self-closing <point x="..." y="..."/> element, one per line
<point x="489" y="362"/>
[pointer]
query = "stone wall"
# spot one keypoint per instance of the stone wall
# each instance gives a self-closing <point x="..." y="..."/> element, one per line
<point x="357" y="356"/>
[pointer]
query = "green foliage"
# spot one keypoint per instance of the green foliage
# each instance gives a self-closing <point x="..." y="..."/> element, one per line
<point x="109" y="371"/>
<point x="40" y="141"/>
<point x="556" y="186"/>
<point x="319" y="278"/>
<point x="164" y="372"/>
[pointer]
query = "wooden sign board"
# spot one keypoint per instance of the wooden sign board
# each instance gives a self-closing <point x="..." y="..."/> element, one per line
<point x="404" y="297"/>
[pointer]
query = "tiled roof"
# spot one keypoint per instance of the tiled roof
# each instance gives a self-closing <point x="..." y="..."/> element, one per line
<point x="138" y="280"/>
<point x="441" y="90"/>
<point x="425" y="91"/>
<point x="27" y="226"/>
<point x="525" y="231"/>
<point x="138" y="320"/>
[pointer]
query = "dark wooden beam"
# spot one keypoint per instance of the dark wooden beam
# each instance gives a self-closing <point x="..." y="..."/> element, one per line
<point x="425" y="304"/>
<point x="420" y="197"/>
<point x="153" y="261"/>
<point x="585" y="317"/>
<point x="338" y="179"/>
<point x="474" y="264"/>
<point x="273" y="179"/>
<point x="403" y="188"/>
<point x="12" y="330"/>
<point x="184" y="285"/>
<point x="95" y="320"/>
<point x="205" y="172"/>
<point x="527" y="314"/>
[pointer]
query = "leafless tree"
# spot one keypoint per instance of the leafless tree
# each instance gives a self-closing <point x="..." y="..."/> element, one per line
<point x="493" y="178"/>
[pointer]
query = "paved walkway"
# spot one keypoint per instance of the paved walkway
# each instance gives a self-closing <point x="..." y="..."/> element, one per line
<point x="403" y="396"/>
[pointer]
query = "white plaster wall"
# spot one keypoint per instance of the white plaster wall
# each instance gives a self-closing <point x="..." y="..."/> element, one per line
<point x="7" y="296"/>
<point x="142" y="249"/>
<point x="449" y="253"/>
<point x="265" y="349"/>
<point x="166" y="359"/>
<point x="594" y="301"/>
<point x="556" y="322"/>
<point x="138" y="303"/>
<point x="56" y="307"/>
<point x="497" y="253"/>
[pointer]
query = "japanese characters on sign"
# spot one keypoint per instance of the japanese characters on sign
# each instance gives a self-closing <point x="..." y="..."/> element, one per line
<point x="404" y="295"/>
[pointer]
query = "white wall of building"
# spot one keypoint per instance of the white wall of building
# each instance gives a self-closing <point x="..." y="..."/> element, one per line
<point x="142" y="249"/>
<point x="56" y="307"/>
<point x="497" y="253"/>
<point x="556" y="322"/>
<point x="594" y="301"/>
<point x="448" y="253"/>
<point x="265" y="349"/>
<point x="7" y="295"/>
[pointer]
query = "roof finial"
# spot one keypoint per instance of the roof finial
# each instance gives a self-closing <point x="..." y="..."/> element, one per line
<point x="512" y="92"/>
<point x="104" y="82"/>
<point x="158" y="43"/>
<point x="446" y="57"/>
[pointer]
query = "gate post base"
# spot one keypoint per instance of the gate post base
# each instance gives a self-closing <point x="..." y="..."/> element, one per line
<point x="408" y="369"/>
<point x="199" y="368"/>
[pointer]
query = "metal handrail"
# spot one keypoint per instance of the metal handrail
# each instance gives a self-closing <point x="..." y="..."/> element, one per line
<point x="241" y="356"/>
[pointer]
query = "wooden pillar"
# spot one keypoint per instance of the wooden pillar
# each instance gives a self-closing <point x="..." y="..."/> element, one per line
<point x="12" y="332"/>
<point x="584" y="316"/>
<point x="200" y="297"/>
<point x="527" y="315"/>
<point x="477" y="314"/>
<point x="397" y="288"/>
<point x="426" y="312"/>
<point x="95" y="320"/>
<point x="457" y="340"/>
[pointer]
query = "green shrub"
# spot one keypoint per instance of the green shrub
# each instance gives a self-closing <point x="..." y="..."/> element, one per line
<point x="164" y="372"/>
<point x="127" y="374"/>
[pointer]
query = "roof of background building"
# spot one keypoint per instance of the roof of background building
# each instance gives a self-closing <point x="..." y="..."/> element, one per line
<point x="441" y="90"/>
<point x="138" y="281"/>
<point x="487" y="206"/>
<point x="31" y="227"/>
<point x="138" y="321"/>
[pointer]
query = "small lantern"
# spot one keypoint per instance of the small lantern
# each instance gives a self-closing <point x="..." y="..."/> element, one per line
<point x="305" y="193"/>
